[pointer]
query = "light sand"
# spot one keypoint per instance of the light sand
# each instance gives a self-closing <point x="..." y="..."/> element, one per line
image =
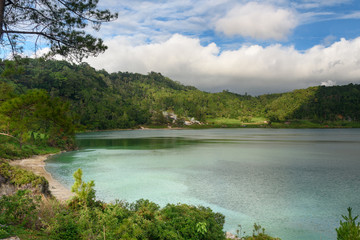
<point x="36" y="164"/>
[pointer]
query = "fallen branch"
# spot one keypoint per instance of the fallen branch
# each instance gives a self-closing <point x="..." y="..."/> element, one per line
<point x="8" y="135"/>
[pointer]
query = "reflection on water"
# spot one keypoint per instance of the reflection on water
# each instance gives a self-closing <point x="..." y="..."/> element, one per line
<point x="136" y="143"/>
<point x="296" y="183"/>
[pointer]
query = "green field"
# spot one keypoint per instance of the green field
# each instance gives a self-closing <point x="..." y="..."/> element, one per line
<point x="255" y="121"/>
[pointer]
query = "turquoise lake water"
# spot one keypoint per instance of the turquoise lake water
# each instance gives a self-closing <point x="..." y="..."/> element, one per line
<point x="296" y="183"/>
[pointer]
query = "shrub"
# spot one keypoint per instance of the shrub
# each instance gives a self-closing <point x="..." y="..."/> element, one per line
<point x="20" y="208"/>
<point x="4" y="233"/>
<point x="64" y="226"/>
<point x="258" y="234"/>
<point x="192" y="222"/>
<point x="349" y="229"/>
<point x="84" y="191"/>
<point x="21" y="177"/>
<point x="85" y="218"/>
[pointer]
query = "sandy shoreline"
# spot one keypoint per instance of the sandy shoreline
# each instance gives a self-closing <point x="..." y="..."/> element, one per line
<point x="36" y="164"/>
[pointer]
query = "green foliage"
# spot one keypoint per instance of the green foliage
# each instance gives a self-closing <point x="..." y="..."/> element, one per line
<point x="146" y="220"/>
<point x="201" y="228"/>
<point x="258" y="234"/>
<point x="33" y="121"/>
<point x="99" y="100"/>
<point x="60" y="23"/>
<point x="64" y="226"/>
<point x="9" y="149"/>
<point x="84" y="192"/>
<point x="19" y="208"/>
<point x="21" y="177"/>
<point x="22" y="232"/>
<point x="4" y="232"/>
<point x="33" y="113"/>
<point x="24" y="213"/>
<point x="283" y="107"/>
<point x="349" y="229"/>
<point x="193" y="222"/>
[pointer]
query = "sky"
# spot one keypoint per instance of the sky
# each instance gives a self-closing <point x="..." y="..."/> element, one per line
<point x="244" y="46"/>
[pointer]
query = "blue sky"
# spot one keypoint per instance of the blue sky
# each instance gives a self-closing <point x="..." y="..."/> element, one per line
<point x="241" y="45"/>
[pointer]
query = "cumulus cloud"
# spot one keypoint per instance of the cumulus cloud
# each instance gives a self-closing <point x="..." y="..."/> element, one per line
<point x="250" y="68"/>
<point x="258" y="21"/>
<point x="328" y="83"/>
<point x="328" y="40"/>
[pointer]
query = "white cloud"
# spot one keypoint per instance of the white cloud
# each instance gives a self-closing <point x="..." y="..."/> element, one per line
<point x="328" y="40"/>
<point x="328" y="83"/>
<point x="353" y="15"/>
<point x="259" y="21"/>
<point x="156" y="19"/>
<point x="306" y="4"/>
<point x="251" y="68"/>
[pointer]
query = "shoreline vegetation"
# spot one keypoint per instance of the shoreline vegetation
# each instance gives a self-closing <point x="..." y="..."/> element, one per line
<point x="233" y="123"/>
<point x="82" y="195"/>
<point x="64" y="217"/>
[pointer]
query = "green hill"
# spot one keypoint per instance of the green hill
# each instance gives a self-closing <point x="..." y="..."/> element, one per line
<point x="101" y="100"/>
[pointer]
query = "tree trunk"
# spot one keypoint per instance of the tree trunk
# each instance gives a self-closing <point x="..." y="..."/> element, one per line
<point x="2" y="11"/>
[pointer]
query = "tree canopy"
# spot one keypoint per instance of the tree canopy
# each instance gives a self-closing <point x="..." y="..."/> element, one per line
<point x="60" y="23"/>
<point x="35" y="116"/>
<point x="102" y="100"/>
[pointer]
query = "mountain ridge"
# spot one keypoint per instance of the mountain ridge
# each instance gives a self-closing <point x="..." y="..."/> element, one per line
<point x="100" y="100"/>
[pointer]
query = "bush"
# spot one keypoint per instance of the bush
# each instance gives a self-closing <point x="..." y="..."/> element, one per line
<point x="20" y="208"/>
<point x="85" y="218"/>
<point x="4" y="232"/>
<point x="84" y="192"/>
<point x="349" y="229"/>
<point x="192" y="222"/>
<point x="21" y="177"/>
<point x="64" y="226"/>
<point x="258" y="234"/>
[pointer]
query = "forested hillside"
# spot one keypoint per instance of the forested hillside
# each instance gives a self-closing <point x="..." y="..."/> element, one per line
<point x="102" y="100"/>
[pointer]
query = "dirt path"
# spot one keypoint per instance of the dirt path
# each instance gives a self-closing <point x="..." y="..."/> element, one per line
<point x="36" y="164"/>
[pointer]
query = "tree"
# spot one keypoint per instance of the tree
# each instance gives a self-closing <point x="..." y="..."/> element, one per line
<point x="35" y="112"/>
<point x="59" y="22"/>
<point x="349" y="229"/>
<point x="84" y="191"/>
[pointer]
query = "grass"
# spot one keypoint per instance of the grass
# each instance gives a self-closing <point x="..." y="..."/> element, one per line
<point x="10" y="149"/>
<point x="21" y="232"/>
<point x="314" y="124"/>
<point x="225" y="121"/>
<point x="257" y="122"/>
<point x="231" y="122"/>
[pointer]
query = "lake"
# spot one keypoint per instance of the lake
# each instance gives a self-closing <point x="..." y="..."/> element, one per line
<point x="296" y="183"/>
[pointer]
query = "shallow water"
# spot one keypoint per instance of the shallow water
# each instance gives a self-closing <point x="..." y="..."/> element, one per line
<point x="295" y="183"/>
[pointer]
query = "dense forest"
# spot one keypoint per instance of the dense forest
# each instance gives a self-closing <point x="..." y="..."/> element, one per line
<point x="101" y="100"/>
